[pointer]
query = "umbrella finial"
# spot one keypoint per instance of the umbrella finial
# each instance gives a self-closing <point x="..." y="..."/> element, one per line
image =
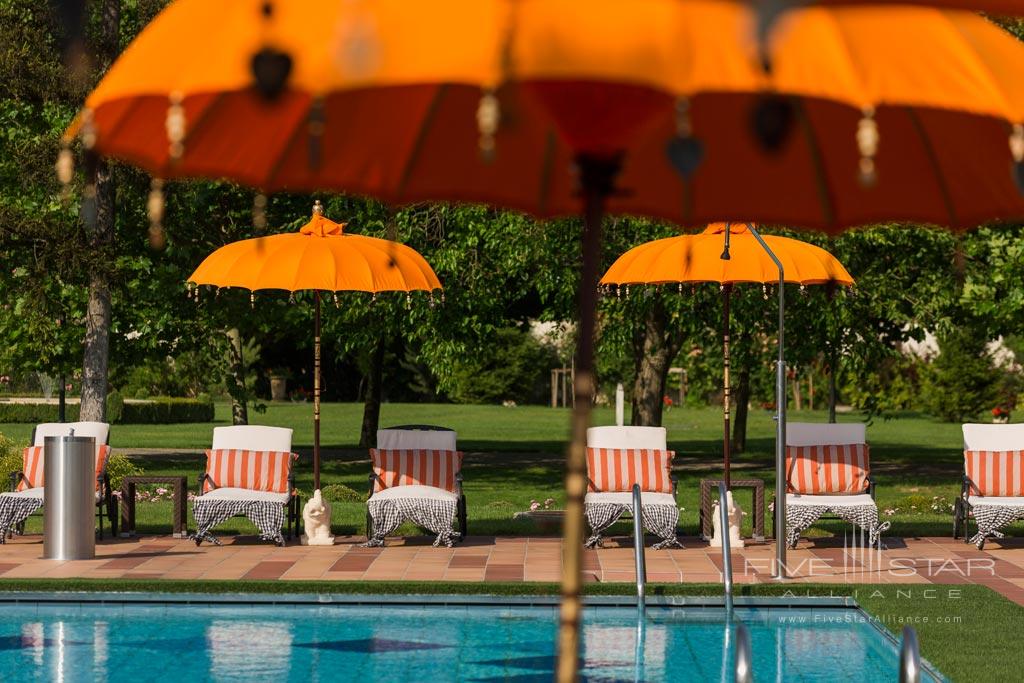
<point x="318" y="208"/>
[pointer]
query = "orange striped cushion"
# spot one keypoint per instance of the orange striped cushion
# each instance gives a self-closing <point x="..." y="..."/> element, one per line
<point x="424" y="467"/>
<point x="995" y="473"/>
<point x="252" y="470"/>
<point x="617" y="469"/>
<point x="831" y="469"/>
<point x="32" y="466"/>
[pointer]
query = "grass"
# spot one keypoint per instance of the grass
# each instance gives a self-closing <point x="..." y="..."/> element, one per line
<point x="515" y="455"/>
<point x="968" y="632"/>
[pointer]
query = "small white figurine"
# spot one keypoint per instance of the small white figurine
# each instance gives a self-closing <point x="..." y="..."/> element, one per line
<point x="735" y="519"/>
<point x="316" y="517"/>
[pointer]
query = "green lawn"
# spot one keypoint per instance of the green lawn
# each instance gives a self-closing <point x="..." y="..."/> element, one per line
<point x="968" y="632"/>
<point x="516" y="454"/>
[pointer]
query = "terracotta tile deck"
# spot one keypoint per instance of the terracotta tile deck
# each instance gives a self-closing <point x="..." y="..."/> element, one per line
<point x="941" y="561"/>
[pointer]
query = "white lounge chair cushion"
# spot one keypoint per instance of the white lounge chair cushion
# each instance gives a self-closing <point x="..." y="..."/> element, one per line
<point x="993" y="437"/>
<point x="230" y="493"/>
<point x="252" y="438"/>
<point x="416" y="439"/>
<point x="830" y="501"/>
<point x="414" y="491"/>
<point x="825" y="433"/>
<point x="626" y="498"/>
<point x="1006" y="501"/>
<point x="627" y="437"/>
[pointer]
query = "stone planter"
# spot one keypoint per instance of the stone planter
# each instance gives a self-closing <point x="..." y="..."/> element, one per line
<point x="546" y="521"/>
<point x="1001" y="420"/>
<point x="278" y="388"/>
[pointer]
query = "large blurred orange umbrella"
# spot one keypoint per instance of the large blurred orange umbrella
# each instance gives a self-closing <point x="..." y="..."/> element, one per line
<point x="652" y="104"/>
<point x="727" y="254"/>
<point x="322" y="258"/>
<point x="408" y="93"/>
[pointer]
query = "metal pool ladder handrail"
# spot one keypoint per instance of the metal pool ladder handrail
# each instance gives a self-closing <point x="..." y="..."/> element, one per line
<point x="638" y="550"/>
<point x="744" y="670"/>
<point x="910" y="657"/>
<point x="723" y="532"/>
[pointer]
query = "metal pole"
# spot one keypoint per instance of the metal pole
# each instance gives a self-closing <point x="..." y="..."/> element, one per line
<point x="910" y="657"/>
<point x="723" y="531"/>
<point x="779" y="571"/>
<point x="597" y="176"/>
<point x="744" y="671"/>
<point x="726" y="382"/>
<point x="316" y="392"/>
<point x="638" y="550"/>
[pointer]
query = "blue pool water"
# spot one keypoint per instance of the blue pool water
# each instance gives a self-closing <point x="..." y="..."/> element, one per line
<point x="241" y="642"/>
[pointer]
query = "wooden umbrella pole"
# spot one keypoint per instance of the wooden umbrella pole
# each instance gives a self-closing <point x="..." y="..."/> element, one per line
<point x="726" y="383"/>
<point x="316" y="392"/>
<point x="597" y="177"/>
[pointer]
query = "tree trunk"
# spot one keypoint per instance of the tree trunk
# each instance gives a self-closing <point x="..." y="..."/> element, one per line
<point x="96" y="345"/>
<point x="739" y="424"/>
<point x="374" y="386"/>
<point x="655" y="347"/>
<point x="236" y="380"/>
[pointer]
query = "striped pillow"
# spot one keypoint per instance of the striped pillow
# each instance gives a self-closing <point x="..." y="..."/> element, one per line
<point x="827" y="469"/>
<point x="32" y="466"/>
<point x="995" y="473"/>
<point x="617" y="469"/>
<point x="404" y="467"/>
<point x="252" y="470"/>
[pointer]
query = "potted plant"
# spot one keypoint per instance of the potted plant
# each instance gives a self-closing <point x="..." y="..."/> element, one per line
<point x="279" y="384"/>
<point x="1001" y="415"/>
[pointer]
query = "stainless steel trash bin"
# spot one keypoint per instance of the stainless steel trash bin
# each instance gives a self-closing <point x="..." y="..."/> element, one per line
<point x="69" y="498"/>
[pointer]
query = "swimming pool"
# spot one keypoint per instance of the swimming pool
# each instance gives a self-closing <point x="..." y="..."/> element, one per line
<point x="352" y="639"/>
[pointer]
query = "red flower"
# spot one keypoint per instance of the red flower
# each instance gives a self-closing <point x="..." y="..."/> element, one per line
<point x="667" y="400"/>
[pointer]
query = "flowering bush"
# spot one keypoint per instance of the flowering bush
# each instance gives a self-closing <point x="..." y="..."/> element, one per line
<point x="546" y="505"/>
<point x="1001" y="412"/>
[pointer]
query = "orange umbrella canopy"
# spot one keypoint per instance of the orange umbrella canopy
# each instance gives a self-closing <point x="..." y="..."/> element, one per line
<point x="320" y="256"/>
<point x="697" y="258"/>
<point x="409" y="94"/>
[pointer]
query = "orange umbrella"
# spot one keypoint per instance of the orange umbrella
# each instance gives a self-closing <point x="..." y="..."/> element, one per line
<point x="408" y="94"/>
<point x="726" y="253"/>
<point x="322" y="258"/>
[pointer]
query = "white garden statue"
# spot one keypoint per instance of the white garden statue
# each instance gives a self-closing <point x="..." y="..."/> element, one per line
<point x="316" y="517"/>
<point x="735" y="519"/>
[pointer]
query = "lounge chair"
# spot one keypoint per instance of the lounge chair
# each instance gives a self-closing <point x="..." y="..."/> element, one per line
<point x="249" y="473"/>
<point x="828" y="469"/>
<point x="618" y="457"/>
<point x="993" y="483"/>
<point x="27" y="486"/>
<point x="417" y="476"/>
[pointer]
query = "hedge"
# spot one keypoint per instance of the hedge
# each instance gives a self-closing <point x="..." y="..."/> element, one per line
<point x="153" y="411"/>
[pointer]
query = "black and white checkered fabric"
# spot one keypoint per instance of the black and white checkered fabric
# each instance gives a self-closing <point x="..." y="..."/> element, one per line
<point x="266" y="515"/>
<point x="434" y="515"/>
<point x="990" y="518"/>
<point x="800" y="517"/>
<point x="661" y="520"/>
<point x="14" y="510"/>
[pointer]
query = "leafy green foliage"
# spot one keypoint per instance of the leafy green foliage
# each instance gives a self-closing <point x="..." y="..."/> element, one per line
<point x="339" y="493"/>
<point x="158" y="410"/>
<point x="10" y="461"/>
<point x="119" y="467"/>
<point x="514" y="366"/>
<point x="961" y="382"/>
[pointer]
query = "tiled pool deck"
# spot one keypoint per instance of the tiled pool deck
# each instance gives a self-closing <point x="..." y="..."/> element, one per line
<point x="912" y="560"/>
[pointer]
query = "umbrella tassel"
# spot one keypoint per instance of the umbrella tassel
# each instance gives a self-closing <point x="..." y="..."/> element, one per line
<point x="867" y="143"/>
<point x="488" y="118"/>
<point x="175" y="126"/>
<point x="252" y="300"/>
<point x="155" y="205"/>
<point x="335" y="296"/>
<point x="259" y="211"/>
<point x="684" y="151"/>
<point x="1017" y="150"/>
<point x="315" y="130"/>
<point x="65" y="168"/>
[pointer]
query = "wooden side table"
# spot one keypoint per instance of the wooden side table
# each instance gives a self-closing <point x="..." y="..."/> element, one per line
<point x="706" y="488"/>
<point x="180" y="486"/>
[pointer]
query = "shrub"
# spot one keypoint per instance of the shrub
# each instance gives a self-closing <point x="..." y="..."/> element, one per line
<point x="339" y="493"/>
<point x="962" y="381"/>
<point x="10" y="461"/>
<point x="115" y="407"/>
<point x="515" y="366"/>
<point x="119" y="467"/>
